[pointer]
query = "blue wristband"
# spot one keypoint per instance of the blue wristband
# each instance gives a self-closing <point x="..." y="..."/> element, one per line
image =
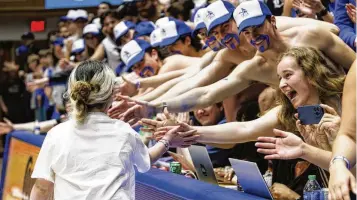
<point x="348" y="165"/>
<point x="137" y="84"/>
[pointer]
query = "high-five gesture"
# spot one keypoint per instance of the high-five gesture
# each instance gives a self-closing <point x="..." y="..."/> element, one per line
<point x="287" y="146"/>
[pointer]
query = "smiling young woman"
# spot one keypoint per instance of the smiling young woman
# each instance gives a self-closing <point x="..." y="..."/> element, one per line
<point x="306" y="79"/>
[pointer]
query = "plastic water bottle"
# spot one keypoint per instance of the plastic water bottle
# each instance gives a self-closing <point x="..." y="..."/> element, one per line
<point x="37" y="130"/>
<point x="312" y="189"/>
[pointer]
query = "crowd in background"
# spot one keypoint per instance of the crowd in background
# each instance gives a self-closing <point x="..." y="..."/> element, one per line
<point x="159" y="51"/>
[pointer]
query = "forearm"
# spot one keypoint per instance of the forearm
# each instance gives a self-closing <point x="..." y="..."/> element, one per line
<point x="233" y="132"/>
<point x="30" y="126"/>
<point x="159" y="79"/>
<point x="347" y="133"/>
<point x="157" y="92"/>
<point x="316" y="156"/>
<point x="231" y="107"/>
<point x="340" y="148"/>
<point x="2" y="105"/>
<point x="192" y="100"/>
<point x="195" y="77"/>
<point x="206" y="96"/>
<point x="156" y="152"/>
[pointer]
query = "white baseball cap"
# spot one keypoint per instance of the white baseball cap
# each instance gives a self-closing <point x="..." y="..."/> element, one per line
<point x="133" y="52"/>
<point x="91" y="29"/>
<point x="78" y="46"/>
<point x="172" y="31"/>
<point x="81" y="14"/>
<point x="218" y="13"/>
<point x="122" y="28"/>
<point x="250" y="13"/>
<point x="198" y="20"/>
<point x="155" y="37"/>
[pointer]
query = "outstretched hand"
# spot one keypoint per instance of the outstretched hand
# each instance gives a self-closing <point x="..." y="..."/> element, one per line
<point x="185" y="131"/>
<point x="287" y="146"/>
<point x="351" y="12"/>
<point x="128" y="87"/>
<point x="178" y="138"/>
<point x="137" y="110"/>
<point x="153" y="125"/>
<point x="119" y="107"/>
<point x="6" y="127"/>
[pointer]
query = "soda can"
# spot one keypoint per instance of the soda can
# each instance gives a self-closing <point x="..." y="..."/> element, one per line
<point x="324" y="194"/>
<point x="175" y="167"/>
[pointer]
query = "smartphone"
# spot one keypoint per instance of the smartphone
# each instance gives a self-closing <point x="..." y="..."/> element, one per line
<point x="311" y="114"/>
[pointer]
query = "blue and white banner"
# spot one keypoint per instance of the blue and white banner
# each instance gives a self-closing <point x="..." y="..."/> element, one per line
<point x="59" y="4"/>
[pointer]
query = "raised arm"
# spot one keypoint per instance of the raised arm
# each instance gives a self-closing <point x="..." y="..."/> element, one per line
<point x="99" y="53"/>
<point x="160" y="90"/>
<point x="284" y="23"/>
<point x="208" y="95"/>
<point x="341" y="179"/>
<point x="347" y="133"/>
<point x="239" y="132"/>
<point x="215" y="70"/>
<point x="155" y="81"/>
<point x="331" y="45"/>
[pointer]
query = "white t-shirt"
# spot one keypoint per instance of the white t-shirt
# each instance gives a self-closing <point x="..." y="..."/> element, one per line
<point x="92" y="161"/>
<point x="112" y="52"/>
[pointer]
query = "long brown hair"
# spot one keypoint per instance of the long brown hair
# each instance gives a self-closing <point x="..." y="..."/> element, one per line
<point x="317" y="68"/>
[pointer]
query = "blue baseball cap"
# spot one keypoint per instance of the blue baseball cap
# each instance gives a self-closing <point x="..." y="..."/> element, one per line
<point x="250" y="13"/>
<point x="122" y="28"/>
<point x="144" y="28"/>
<point x="218" y="13"/>
<point x="133" y="52"/>
<point x="172" y="31"/>
<point x="198" y="21"/>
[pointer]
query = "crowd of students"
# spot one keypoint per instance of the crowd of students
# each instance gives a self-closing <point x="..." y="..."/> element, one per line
<point x="223" y="74"/>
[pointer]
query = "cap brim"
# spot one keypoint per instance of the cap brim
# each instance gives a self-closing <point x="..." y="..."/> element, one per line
<point x="135" y="60"/>
<point x="169" y="41"/>
<point x="77" y="51"/>
<point x="64" y="18"/>
<point x="93" y="33"/>
<point x="81" y="18"/>
<point x="255" y="21"/>
<point x="121" y="35"/>
<point x="219" y="21"/>
<point x="139" y="34"/>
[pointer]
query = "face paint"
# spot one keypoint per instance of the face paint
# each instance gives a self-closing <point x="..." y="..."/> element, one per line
<point x="212" y="43"/>
<point x="261" y="37"/>
<point x="228" y="37"/>
<point x="146" y="68"/>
